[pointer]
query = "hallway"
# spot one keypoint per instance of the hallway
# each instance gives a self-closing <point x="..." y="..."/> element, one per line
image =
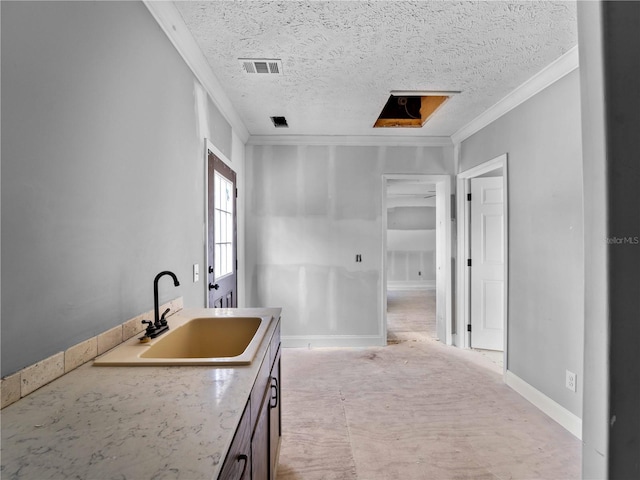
<point x="415" y="409"/>
<point x="410" y="313"/>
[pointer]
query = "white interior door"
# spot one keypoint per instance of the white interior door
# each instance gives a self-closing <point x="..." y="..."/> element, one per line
<point x="487" y="263"/>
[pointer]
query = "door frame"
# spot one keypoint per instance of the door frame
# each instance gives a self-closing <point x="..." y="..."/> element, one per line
<point x="210" y="147"/>
<point x="463" y="284"/>
<point x="444" y="285"/>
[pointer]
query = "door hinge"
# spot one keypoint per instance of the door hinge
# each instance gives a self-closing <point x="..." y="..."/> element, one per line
<point x="468" y="262"/>
<point x="469" y="328"/>
<point x="468" y="197"/>
<point x="453" y="208"/>
<point x="236" y="193"/>
<point x="236" y="264"/>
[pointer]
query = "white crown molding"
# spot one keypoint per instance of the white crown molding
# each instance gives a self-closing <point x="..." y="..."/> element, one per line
<point x="171" y="22"/>
<point x="350" y="140"/>
<point x="541" y="80"/>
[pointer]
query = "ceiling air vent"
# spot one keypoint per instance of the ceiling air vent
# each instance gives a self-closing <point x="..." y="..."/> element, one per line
<point x="272" y="66"/>
<point x="279" y="122"/>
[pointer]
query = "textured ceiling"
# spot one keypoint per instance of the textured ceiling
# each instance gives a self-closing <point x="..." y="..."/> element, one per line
<point x="342" y="58"/>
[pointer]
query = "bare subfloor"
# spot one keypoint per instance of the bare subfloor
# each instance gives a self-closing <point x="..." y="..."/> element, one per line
<point x="415" y="409"/>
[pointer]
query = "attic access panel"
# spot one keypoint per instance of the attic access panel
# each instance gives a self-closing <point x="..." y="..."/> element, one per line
<point x="409" y="111"/>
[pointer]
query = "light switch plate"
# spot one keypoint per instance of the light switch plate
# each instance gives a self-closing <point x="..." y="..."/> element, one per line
<point x="196" y="272"/>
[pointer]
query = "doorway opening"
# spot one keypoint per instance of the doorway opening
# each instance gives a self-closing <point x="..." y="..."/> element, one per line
<point x="482" y="286"/>
<point x="411" y="258"/>
<point x="416" y="250"/>
<point x="221" y="232"/>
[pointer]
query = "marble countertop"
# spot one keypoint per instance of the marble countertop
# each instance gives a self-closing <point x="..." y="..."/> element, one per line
<point x="130" y="423"/>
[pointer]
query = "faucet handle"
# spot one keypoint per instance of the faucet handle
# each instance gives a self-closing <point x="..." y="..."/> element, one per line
<point x="150" y="326"/>
<point x="163" y="321"/>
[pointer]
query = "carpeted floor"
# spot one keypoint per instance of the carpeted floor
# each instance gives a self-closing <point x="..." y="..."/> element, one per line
<point x="415" y="409"/>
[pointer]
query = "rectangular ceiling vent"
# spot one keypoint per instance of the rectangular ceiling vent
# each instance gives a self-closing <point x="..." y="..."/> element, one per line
<point x="271" y="66"/>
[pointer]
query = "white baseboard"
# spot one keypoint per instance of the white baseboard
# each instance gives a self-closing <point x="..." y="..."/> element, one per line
<point x="550" y="407"/>
<point x="317" y="341"/>
<point x="426" y="285"/>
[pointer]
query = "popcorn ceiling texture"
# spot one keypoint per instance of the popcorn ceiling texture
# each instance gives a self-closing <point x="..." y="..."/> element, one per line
<point x="342" y="58"/>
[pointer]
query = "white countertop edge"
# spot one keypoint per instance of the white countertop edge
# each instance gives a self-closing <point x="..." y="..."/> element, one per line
<point x="132" y="421"/>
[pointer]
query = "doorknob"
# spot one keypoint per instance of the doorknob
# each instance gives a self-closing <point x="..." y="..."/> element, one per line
<point x="210" y="269"/>
<point x="213" y="287"/>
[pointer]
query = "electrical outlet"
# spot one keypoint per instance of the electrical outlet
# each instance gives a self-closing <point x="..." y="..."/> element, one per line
<point x="196" y="272"/>
<point x="571" y="381"/>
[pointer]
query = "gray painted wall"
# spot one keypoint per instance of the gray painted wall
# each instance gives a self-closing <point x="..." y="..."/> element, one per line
<point x="411" y="246"/>
<point x="411" y="267"/>
<point x="310" y="210"/>
<point x="102" y="172"/>
<point x="546" y="263"/>
<point x="411" y="218"/>
<point x="595" y="425"/>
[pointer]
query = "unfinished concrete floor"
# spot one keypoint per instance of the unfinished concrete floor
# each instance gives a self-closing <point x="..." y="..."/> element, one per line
<point x="415" y="409"/>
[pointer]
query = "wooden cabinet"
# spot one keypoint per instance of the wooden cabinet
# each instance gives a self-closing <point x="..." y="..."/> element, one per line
<point x="275" y="418"/>
<point x="237" y="464"/>
<point x="260" y="448"/>
<point x="255" y="449"/>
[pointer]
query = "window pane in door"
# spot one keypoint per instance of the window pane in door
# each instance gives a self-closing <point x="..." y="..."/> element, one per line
<point x="223" y="227"/>
<point x="226" y="197"/>
<point x="216" y="192"/>
<point x="216" y="226"/>
<point x="223" y="223"/>
<point x="223" y="260"/>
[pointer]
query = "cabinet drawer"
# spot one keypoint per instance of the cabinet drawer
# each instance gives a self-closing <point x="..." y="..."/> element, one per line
<point x="237" y="464"/>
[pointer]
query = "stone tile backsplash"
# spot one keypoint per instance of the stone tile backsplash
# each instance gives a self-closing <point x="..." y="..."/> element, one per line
<point x="10" y="389"/>
<point x="109" y="339"/>
<point x="29" y="379"/>
<point x="41" y="373"/>
<point x="80" y="354"/>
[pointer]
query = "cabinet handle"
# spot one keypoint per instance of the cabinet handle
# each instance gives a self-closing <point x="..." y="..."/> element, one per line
<point x="243" y="458"/>
<point x="274" y="396"/>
